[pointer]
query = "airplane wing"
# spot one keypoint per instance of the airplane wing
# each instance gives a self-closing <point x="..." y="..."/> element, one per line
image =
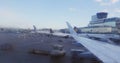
<point x="107" y="53"/>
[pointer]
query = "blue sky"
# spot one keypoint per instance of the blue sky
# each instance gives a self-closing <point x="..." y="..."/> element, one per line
<point x="53" y="13"/>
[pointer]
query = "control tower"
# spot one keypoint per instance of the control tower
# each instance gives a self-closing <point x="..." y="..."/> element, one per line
<point x="100" y="23"/>
<point x="102" y="15"/>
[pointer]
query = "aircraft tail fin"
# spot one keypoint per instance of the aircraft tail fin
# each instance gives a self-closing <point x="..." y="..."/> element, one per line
<point x="34" y="29"/>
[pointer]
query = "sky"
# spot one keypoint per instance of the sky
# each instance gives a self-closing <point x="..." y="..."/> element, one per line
<point x="53" y="13"/>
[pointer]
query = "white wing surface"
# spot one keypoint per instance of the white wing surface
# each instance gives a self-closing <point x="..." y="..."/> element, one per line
<point x="107" y="53"/>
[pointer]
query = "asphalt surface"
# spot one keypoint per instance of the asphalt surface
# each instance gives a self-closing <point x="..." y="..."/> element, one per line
<point x="15" y="47"/>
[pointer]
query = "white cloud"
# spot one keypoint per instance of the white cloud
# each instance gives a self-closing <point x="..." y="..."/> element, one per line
<point x="104" y="10"/>
<point x="8" y="14"/>
<point x="114" y="1"/>
<point x="99" y="0"/>
<point x="107" y="2"/>
<point x="117" y="10"/>
<point x="12" y="18"/>
<point x="114" y="12"/>
<point x="72" y="9"/>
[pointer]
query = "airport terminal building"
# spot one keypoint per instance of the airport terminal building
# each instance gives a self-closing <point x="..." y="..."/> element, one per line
<point x="101" y="24"/>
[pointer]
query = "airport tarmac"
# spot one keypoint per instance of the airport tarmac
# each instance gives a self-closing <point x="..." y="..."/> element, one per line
<point x="21" y="43"/>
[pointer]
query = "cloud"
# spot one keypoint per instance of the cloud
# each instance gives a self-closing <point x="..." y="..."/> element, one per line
<point x="107" y="2"/>
<point x="104" y="10"/>
<point x="72" y="9"/>
<point x="114" y="12"/>
<point x="117" y="10"/>
<point x="13" y="18"/>
<point x="114" y="1"/>
<point x="99" y="0"/>
<point x="8" y="14"/>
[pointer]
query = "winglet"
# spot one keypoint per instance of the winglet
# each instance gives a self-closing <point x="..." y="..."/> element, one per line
<point x="72" y="32"/>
